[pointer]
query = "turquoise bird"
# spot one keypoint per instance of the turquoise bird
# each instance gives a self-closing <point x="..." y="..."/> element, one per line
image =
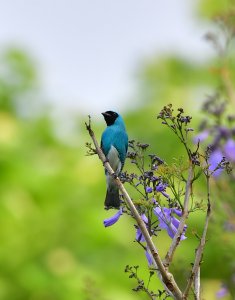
<point x="114" y="144"/>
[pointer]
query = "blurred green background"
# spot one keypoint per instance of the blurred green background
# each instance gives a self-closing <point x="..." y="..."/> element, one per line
<point x="53" y="244"/>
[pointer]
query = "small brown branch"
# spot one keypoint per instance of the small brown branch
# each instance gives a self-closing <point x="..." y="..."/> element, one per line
<point x="197" y="287"/>
<point x="177" y="237"/>
<point x="166" y="277"/>
<point x="199" y="251"/>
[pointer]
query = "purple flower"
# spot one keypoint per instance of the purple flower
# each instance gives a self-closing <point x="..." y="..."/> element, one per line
<point x="161" y="187"/>
<point x="149" y="257"/>
<point x="154" y="178"/>
<point x="154" y="201"/>
<point x="169" y="222"/>
<point x="144" y="218"/>
<point x="178" y="212"/>
<point x="202" y="136"/>
<point x="214" y="159"/>
<point x="112" y="220"/>
<point x="229" y="149"/>
<point x="222" y="292"/>
<point x="148" y="189"/>
<point x="139" y="236"/>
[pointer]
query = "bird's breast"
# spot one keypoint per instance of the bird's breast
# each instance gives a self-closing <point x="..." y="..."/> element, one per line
<point x="114" y="159"/>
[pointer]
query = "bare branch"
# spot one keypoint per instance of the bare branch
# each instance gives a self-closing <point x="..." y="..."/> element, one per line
<point x="166" y="277"/>
<point x="177" y="237"/>
<point x="197" y="287"/>
<point x="199" y="251"/>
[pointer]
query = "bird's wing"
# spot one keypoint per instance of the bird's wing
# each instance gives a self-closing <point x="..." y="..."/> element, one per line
<point x="106" y="140"/>
<point x="121" y="144"/>
<point x="114" y="136"/>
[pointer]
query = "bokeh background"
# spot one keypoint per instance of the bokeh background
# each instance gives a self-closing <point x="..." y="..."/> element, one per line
<point x="59" y="62"/>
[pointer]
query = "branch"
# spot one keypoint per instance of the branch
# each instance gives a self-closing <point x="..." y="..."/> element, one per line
<point x="177" y="237"/>
<point x="167" y="278"/>
<point x="199" y="251"/>
<point x="197" y="287"/>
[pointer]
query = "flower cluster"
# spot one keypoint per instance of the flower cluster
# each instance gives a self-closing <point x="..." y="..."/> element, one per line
<point x="112" y="220"/>
<point x="178" y="123"/>
<point x="166" y="219"/>
<point x="218" y="136"/>
<point x="158" y="211"/>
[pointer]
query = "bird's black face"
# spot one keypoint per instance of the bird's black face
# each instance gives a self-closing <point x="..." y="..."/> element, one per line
<point x="110" y="117"/>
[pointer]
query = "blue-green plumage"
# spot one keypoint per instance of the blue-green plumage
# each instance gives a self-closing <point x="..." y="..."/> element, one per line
<point x="114" y="143"/>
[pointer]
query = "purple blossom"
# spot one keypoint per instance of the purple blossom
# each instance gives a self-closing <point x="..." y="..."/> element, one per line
<point x="202" y="136"/>
<point x="154" y="178"/>
<point x="149" y="257"/>
<point x="223" y="131"/>
<point x="178" y="212"/>
<point x="169" y="222"/>
<point x="214" y="159"/>
<point x="154" y="201"/>
<point x="139" y="236"/>
<point x="144" y="218"/>
<point x="148" y="189"/>
<point x="229" y="149"/>
<point x="222" y="292"/>
<point x="161" y="187"/>
<point x="185" y="119"/>
<point x="112" y="220"/>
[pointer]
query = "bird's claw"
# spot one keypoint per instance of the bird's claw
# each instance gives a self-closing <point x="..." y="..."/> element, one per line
<point x="114" y="175"/>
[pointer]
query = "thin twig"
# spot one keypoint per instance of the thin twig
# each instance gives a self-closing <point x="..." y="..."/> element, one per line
<point x="177" y="237"/>
<point x="167" y="278"/>
<point x="197" y="287"/>
<point x="199" y="251"/>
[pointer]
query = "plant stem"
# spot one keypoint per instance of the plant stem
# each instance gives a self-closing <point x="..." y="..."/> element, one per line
<point x="199" y="251"/>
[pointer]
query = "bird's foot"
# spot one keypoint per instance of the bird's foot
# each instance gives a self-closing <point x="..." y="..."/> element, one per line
<point x="114" y="175"/>
<point x="111" y="207"/>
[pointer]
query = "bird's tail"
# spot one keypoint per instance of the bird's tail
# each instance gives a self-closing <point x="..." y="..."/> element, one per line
<point x="112" y="199"/>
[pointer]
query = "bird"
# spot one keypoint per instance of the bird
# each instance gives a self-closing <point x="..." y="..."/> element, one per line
<point x="114" y="144"/>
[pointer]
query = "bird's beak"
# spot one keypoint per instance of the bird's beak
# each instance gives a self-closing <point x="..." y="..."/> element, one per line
<point x="105" y="114"/>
